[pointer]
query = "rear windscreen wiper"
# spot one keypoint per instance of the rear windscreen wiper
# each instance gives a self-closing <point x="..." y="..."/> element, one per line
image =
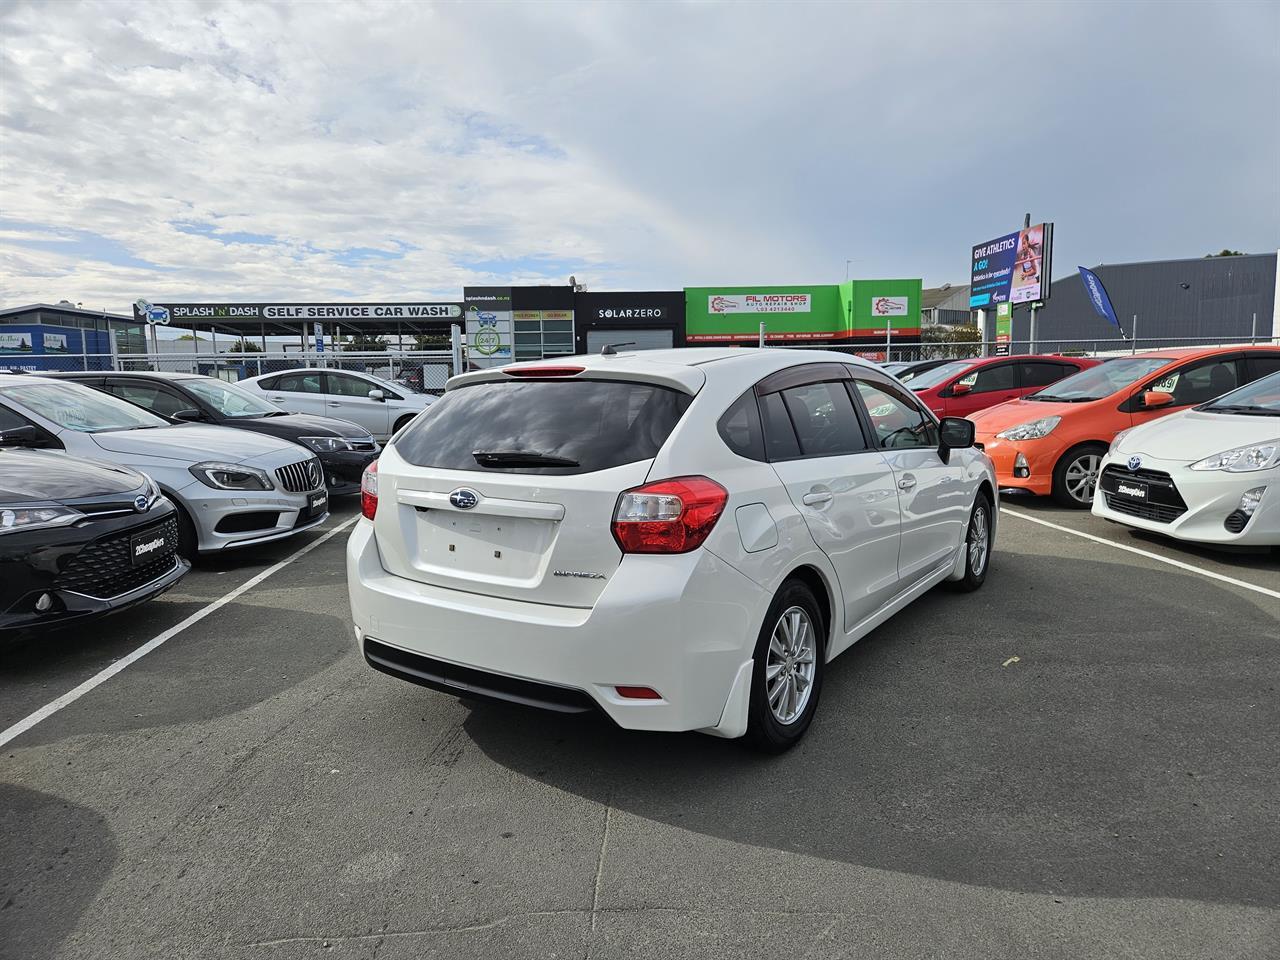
<point x="520" y="458"/>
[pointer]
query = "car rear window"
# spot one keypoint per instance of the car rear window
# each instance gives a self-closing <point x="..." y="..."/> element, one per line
<point x="597" y="424"/>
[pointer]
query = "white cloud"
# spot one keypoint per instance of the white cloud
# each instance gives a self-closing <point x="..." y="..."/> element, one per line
<point x="148" y="149"/>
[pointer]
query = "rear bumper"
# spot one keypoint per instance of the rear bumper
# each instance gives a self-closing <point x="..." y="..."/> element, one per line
<point x="1041" y="459"/>
<point x="1210" y="497"/>
<point x="682" y="625"/>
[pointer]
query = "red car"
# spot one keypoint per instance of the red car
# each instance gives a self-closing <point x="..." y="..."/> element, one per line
<point x="962" y="387"/>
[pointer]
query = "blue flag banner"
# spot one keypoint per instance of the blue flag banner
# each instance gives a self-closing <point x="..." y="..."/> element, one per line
<point x="1097" y="294"/>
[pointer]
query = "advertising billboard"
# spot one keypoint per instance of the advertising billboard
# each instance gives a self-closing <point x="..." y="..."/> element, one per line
<point x="15" y="342"/>
<point x="488" y="311"/>
<point x="838" y="312"/>
<point x="1015" y="268"/>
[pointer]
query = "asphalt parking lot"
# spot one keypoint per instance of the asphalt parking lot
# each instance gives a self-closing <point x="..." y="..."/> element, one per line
<point x="1079" y="760"/>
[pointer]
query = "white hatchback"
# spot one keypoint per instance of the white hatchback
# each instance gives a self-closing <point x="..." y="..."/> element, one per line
<point x="681" y="539"/>
<point x="1208" y="475"/>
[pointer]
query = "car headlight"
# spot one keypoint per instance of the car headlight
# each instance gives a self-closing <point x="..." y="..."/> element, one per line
<point x="326" y="444"/>
<point x="1115" y="441"/>
<point x="1256" y="456"/>
<point x="16" y="519"/>
<point x="1032" y="430"/>
<point x="231" y="476"/>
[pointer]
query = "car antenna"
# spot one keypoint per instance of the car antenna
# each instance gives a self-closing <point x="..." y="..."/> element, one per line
<point x="610" y="350"/>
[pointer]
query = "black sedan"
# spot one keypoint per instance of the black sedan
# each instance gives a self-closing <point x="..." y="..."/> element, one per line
<point x="344" y="448"/>
<point x="79" y="539"/>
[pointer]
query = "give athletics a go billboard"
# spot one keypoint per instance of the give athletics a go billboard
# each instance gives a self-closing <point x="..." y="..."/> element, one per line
<point x="1015" y="268"/>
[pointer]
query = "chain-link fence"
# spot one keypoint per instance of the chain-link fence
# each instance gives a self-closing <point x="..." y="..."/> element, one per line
<point x="422" y="371"/>
<point x="908" y="352"/>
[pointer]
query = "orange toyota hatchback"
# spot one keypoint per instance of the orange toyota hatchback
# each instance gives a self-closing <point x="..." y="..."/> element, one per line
<point x="1052" y="441"/>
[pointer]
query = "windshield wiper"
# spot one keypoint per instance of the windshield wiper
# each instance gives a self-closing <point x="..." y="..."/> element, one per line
<point x="1245" y="408"/>
<point x="520" y="458"/>
<point x="1052" y="398"/>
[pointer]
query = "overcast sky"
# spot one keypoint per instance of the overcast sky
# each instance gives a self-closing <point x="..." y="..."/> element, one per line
<point x="369" y="151"/>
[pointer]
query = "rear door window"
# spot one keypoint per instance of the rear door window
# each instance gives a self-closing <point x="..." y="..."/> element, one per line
<point x="588" y="424"/>
<point x="824" y="420"/>
<point x="1259" y="365"/>
<point x="1041" y="373"/>
<point x="298" y="383"/>
<point x="150" y="396"/>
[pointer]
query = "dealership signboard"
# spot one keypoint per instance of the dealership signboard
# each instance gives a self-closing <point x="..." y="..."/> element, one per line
<point x="1015" y="268"/>
<point x="850" y="312"/>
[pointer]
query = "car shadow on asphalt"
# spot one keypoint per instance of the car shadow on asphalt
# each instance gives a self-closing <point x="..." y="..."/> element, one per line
<point x="1262" y="559"/>
<point x="987" y="739"/>
<point x="56" y="857"/>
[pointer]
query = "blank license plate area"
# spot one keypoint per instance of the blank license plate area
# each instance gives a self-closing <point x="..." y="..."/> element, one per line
<point x="482" y="546"/>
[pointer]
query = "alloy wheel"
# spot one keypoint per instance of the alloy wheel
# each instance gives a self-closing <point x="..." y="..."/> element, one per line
<point x="791" y="665"/>
<point x="979" y="541"/>
<point x="1082" y="477"/>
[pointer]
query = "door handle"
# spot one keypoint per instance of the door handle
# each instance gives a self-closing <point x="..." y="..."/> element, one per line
<point x="906" y="483"/>
<point x="817" y="499"/>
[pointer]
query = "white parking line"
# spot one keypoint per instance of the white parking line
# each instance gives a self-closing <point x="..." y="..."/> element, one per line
<point x="1265" y="591"/>
<point x="71" y="696"/>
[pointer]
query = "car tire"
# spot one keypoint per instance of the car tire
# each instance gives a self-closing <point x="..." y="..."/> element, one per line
<point x="188" y="542"/>
<point x="791" y="647"/>
<point x="400" y="424"/>
<point x="1071" y="475"/>
<point x="978" y="541"/>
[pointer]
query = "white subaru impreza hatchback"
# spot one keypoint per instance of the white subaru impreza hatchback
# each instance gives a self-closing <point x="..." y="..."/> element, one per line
<point x="681" y="539"/>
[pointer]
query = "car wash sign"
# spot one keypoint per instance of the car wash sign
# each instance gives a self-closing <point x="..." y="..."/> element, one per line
<point x="146" y="312"/>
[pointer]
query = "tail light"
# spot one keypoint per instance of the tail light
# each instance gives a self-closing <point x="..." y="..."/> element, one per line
<point x="369" y="491"/>
<point x="670" y="516"/>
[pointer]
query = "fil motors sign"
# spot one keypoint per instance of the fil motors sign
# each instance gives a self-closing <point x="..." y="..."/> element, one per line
<point x="888" y="306"/>
<point x="759" y="303"/>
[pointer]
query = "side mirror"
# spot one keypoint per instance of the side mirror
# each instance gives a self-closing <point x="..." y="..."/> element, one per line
<point x="1156" y="398"/>
<point x="188" y="416"/>
<point x="959" y="389"/>
<point x="957" y="433"/>
<point x="377" y="395"/>
<point x="19" y="437"/>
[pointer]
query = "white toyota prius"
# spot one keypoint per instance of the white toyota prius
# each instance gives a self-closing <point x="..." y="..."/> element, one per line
<point x="1210" y="474"/>
<point x="681" y="539"/>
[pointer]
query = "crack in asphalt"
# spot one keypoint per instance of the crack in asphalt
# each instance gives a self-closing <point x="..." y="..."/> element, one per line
<point x="831" y="916"/>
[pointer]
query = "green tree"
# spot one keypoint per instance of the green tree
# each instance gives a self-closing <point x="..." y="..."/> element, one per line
<point x="364" y="343"/>
<point x="1225" y="253"/>
<point x="244" y="346"/>
<point x="431" y="341"/>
